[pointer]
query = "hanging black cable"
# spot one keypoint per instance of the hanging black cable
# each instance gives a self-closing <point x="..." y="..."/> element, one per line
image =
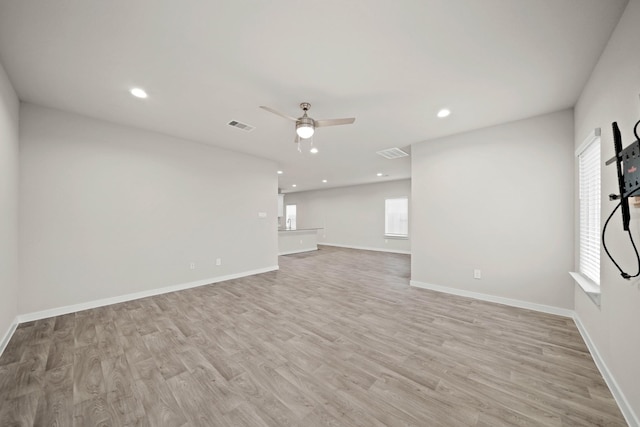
<point x="604" y="229"/>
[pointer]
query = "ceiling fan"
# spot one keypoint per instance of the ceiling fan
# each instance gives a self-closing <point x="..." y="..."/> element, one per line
<point x="305" y="125"/>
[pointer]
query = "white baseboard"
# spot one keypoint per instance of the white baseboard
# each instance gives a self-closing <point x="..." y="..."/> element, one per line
<point x="626" y="409"/>
<point x="492" y="298"/>
<point x="136" y="295"/>
<point x="366" y="248"/>
<point x="7" y="336"/>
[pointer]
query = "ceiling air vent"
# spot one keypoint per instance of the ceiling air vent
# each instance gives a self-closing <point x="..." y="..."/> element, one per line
<point x="392" y="153"/>
<point x="245" y="127"/>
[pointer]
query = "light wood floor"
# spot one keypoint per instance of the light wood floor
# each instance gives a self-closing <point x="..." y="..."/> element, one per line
<point x="336" y="337"/>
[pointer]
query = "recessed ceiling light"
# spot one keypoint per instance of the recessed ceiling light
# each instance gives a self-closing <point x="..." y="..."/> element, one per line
<point x="324" y="180"/>
<point x="443" y="113"/>
<point x="138" y="93"/>
<point x="293" y="185"/>
<point x="379" y="174"/>
<point x="313" y="150"/>
<point x="280" y="172"/>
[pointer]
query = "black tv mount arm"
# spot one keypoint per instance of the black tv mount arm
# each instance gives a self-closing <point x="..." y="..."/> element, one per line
<point x="628" y="167"/>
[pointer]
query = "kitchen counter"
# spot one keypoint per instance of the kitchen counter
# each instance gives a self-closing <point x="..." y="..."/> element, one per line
<point x="293" y="241"/>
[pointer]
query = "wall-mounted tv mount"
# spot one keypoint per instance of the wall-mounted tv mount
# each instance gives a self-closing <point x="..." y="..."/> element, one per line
<point x="628" y="172"/>
<point x="628" y="166"/>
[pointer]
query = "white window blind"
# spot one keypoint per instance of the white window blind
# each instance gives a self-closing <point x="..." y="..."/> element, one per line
<point x="396" y="217"/>
<point x="589" y="177"/>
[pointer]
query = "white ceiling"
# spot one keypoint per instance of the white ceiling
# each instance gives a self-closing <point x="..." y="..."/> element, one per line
<point x="392" y="65"/>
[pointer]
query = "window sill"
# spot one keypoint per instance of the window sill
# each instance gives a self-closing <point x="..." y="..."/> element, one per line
<point x="391" y="236"/>
<point x="591" y="289"/>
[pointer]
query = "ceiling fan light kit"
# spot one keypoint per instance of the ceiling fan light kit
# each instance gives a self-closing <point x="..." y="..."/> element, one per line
<point x="305" y="127"/>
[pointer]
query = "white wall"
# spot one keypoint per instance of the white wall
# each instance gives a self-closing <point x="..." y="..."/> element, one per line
<point x="9" y="106"/>
<point x="108" y="210"/>
<point x="498" y="199"/>
<point x="611" y="94"/>
<point x="352" y="216"/>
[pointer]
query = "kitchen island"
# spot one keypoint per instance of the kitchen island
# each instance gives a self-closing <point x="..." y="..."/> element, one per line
<point x="293" y="241"/>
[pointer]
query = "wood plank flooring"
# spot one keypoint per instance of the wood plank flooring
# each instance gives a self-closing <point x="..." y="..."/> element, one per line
<point x="334" y="338"/>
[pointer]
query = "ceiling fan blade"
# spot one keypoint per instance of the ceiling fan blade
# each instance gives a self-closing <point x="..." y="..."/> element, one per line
<point x="334" y="122"/>
<point x="278" y="113"/>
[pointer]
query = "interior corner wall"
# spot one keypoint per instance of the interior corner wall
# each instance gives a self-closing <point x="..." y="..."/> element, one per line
<point x="9" y="107"/>
<point x="611" y="94"/>
<point x="108" y="210"/>
<point x="498" y="199"/>
<point x="351" y="216"/>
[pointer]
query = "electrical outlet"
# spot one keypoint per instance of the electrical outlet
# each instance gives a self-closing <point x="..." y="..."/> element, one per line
<point x="192" y="266"/>
<point x="218" y="261"/>
<point x="477" y="273"/>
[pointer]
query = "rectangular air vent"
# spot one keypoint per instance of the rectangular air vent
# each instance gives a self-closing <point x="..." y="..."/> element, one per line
<point x="245" y="127"/>
<point x="392" y="153"/>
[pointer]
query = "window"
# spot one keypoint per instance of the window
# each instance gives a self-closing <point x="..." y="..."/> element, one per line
<point x="290" y="216"/>
<point x="396" y="217"/>
<point x="589" y="183"/>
